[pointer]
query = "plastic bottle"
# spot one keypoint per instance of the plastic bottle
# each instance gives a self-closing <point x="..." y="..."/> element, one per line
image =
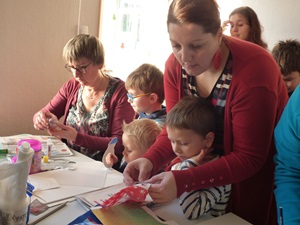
<point x="36" y="145"/>
<point x="14" y="206"/>
<point x="49" y="148"/>
<point x="18" y="215"/>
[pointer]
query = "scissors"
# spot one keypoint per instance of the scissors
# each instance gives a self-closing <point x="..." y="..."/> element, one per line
<point x="55" y="164"/>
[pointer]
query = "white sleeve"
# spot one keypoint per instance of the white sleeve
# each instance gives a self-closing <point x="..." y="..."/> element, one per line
<point x="185" y="164"/>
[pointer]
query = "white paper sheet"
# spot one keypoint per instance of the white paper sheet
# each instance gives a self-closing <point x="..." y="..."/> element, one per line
<point x="88" y="176"/>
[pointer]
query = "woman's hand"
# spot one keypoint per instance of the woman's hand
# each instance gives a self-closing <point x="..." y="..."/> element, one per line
<point x="41" y="120"/>
<point x="63" y="131"/>
<point x="163" y="187"/>
<point x="137" y="170"/>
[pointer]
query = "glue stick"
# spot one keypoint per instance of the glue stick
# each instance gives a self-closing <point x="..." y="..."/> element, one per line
<point x="49" y="148"/>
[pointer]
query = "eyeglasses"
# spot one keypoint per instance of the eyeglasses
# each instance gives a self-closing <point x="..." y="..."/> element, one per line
<point x="80" y="69"/>
<point x="131" y="97"/>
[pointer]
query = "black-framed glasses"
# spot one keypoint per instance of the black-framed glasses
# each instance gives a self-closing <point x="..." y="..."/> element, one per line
<point x="131" y="97"/>
<point x="80" y="69"/>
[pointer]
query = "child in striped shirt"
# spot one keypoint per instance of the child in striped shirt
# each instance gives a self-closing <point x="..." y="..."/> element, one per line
<point x="190" y="126"/>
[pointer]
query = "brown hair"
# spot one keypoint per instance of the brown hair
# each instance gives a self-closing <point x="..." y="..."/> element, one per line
<point x="255" y="32"/>
<point x="201" y="12"/>
<point x="149" y="79"/>
<point x="193" y="113"/>
<point x="287" y="55"/>
<point x="84" y="46"/>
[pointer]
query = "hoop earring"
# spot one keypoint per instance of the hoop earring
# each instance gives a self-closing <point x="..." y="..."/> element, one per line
<point x="217" y="59"/>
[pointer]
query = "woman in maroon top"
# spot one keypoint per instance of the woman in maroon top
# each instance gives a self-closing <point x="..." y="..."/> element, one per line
<point x="93" y="104"/>
<point x="244" y="84"/>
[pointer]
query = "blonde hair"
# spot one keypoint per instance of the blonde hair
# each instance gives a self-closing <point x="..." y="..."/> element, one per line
<point x="149" y="79"/>
<point x="143" y="131"/>
<point x="84" y="46"/>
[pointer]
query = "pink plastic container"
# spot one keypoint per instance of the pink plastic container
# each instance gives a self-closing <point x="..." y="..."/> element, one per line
<point x="36" y="145"/>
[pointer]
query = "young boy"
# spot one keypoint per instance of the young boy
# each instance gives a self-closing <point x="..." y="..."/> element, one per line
<point x="146" y="93"/>
<point x="137" y="137"/>
<point x="190" y="126"/>
<point x="287" y="55"/>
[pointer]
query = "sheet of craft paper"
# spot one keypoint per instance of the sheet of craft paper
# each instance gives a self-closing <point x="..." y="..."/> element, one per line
<point x="127" y="214"/>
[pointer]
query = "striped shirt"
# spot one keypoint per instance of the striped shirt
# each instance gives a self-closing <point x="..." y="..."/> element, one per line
<point x="212" y="200"/>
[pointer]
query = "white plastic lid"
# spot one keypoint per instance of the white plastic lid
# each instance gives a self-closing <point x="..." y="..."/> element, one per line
<point x="49" y="142"/>
<point x="25" y="146"/>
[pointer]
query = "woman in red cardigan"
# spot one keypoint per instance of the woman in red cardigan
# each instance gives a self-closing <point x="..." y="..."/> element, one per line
<point x="93" y="104"/>
<point x="244" y="84"/>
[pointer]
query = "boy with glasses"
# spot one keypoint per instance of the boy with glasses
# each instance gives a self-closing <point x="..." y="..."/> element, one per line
<point x="146" y="93"/>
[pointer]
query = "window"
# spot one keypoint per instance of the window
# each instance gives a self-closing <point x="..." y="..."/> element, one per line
<point x="134" y="32"/>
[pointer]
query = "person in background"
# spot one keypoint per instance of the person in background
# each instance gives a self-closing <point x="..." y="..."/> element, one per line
<point x="243" y="82"/>
<point x="244" y="24"/>
<point x="190" y="126"/>
<point x="287" y="173"/>
<point x="93" y="104"/>
<point x="137" y="137"/>
<point x="287" y="55"/>
<point x="146" y="93"/>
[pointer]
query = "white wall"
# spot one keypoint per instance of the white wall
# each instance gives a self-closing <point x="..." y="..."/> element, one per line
<point x="32" y="36"/>
<point x="280" y="19"/>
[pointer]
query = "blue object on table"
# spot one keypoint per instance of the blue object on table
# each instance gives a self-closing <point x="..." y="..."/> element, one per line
<point x="87" y="218"/>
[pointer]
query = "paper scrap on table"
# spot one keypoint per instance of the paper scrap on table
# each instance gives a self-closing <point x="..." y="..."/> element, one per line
<point x="44" y="184"/>
<point x="37" y="207"/>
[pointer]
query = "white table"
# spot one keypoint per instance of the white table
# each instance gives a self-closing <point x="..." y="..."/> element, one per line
<point x="170" y="211"/>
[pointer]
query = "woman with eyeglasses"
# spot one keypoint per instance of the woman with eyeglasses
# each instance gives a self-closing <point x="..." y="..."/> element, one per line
<point x="244" y="24"/>
<point x="244" y="84"/>
<point x="93" y="104"/>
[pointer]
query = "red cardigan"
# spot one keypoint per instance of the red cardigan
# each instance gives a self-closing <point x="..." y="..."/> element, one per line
<point x="254" y="103"/>
<point x="119" y="110"/>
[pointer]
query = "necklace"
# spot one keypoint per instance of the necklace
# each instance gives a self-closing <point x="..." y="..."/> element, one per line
<point x="92" y="93"/>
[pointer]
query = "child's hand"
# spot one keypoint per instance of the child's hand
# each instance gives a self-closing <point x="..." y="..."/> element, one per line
<point x="111" y="159"/>
<point x="204" y="156"/>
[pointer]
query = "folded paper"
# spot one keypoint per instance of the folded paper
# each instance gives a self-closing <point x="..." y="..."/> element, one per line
<point x="135" y="193"/>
